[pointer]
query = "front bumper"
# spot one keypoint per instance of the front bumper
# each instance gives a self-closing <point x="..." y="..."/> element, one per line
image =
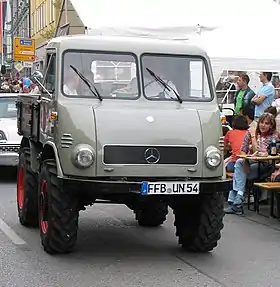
<point x="120" y="186"/>
<point x="9" y="159"/>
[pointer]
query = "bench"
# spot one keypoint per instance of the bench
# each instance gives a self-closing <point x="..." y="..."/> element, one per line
<point x="270" y="186"/>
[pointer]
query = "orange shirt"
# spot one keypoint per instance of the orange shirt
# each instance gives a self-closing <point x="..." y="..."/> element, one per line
<point x="235" y="139"/>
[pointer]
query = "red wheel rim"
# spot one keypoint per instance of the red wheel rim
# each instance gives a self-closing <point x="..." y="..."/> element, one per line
<point x="20" y="188"/>
<point x="44" y="207"/>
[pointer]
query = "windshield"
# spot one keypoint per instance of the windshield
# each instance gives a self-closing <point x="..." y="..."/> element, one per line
<point x="114" y="75"/>
<point x="8" y="107"/>
<point x="185" y="77"/>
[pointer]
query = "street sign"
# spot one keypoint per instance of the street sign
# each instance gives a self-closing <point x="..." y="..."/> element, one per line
<point x="24" y="49"/>
<point x="27" y="64"/>
<point x="18" y="67"/>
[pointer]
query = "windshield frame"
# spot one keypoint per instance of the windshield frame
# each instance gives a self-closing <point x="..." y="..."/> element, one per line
<point x="123" y="53"/>
<point x="195" y="100"/>
<point x="12" y="98"/>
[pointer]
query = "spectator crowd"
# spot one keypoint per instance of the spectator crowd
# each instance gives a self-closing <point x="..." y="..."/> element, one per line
<point x="255" y="128"/>
<point x="25" y="85"/>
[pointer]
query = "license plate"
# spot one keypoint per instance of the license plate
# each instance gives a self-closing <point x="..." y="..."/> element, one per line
<point x="168" y="188"/>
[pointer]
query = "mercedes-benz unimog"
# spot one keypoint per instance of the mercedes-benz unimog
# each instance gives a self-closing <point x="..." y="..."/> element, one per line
<point x="131" y="121"/>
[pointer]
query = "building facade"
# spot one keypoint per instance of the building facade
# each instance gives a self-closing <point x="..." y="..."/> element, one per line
<point x="50" y="18"/>
<point x="43" y="15"/>
<point x="19" y="25"/>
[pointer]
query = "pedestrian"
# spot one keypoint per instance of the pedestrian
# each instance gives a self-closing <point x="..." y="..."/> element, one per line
<point x="265" y="96"/>
<point x="34" y="89"/>
<point x="233" y="140"/>
<point x="244" y="94"/>
<point x="248" y="113"/>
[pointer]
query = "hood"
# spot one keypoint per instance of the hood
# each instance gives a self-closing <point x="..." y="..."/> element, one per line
<point x="9" y="127"/>
<point x="148" y="127"/>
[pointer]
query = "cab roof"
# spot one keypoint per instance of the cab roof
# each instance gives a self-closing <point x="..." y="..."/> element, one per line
<point x="137" y="45"/>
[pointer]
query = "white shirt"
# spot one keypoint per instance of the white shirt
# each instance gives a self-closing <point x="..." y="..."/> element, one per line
<point x="68" y="91"/>
<point x="35" y="91"/>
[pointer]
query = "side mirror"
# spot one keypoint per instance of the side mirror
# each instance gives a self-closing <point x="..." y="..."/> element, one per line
<point x="37" y="76"/>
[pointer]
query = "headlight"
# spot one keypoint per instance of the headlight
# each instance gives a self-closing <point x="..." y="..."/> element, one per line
<point x="2" y="136"/>
<point x="83" y="156"/>
<point x="213" y="157"/>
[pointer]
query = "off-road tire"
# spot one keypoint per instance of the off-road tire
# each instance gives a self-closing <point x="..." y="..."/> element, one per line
<point x="151" y="215"/>
<point x="63" y="214"/>
<point x="199" y="221"/>
<point x="28" y="213"/>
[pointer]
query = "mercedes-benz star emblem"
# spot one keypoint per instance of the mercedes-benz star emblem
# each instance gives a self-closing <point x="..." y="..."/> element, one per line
<point x="152" y="155"/>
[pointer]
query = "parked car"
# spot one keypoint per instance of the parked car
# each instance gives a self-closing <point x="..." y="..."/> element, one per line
<point x="9" y="138"/>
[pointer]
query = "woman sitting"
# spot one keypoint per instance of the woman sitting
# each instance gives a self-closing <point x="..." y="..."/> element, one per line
<point x="233" y="140"/>
<point x="244" y="169"/>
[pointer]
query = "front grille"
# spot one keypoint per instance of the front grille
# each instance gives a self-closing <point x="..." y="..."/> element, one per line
<point x="66" y="140"/>
<point x="116" y="154"/>
<point x="221" y="143"/>
<point x="9" y="148"/>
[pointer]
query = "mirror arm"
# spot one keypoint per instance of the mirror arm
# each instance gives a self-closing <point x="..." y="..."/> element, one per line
<point x="42" y="86"/>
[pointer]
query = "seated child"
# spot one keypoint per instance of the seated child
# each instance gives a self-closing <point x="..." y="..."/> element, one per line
<point x="233" y="140"/>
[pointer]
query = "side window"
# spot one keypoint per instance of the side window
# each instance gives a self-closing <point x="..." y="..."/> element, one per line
<point x="49" y="82"/>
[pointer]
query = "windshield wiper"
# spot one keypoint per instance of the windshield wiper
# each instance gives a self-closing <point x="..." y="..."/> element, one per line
<point x="87" y="82"/>
<point x="165" y="85"/>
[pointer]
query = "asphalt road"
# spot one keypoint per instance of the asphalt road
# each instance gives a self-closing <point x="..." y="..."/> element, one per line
<point x="113" y="251"/>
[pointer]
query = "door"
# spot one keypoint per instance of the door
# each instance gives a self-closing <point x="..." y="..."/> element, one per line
<point x="47" y="105"/>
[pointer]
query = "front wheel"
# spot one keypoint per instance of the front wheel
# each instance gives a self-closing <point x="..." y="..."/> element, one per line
<point x="199" y="221"/>
<point x="58" y="212"/>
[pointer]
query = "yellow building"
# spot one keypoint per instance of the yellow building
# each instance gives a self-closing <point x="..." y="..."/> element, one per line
<point x="50" y="18"/>
<point x="42" y="16"/>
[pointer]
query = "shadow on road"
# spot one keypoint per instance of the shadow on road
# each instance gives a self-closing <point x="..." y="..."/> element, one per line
<point x="8" y="174"/>
<point x="105" y="239"/>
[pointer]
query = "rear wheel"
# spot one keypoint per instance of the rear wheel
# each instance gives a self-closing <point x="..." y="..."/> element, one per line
<point x="199" y="221"/>
<point x="58" y="212"/>
<point x="27" y="202"/>
<point x="151" y="214"/>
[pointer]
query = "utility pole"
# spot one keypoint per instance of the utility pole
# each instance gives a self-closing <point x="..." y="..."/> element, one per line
<point x="2" y="32"/>
<point x="66" y="11"/>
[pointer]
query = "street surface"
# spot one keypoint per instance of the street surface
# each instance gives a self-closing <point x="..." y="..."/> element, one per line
<point x="113" y="251"/>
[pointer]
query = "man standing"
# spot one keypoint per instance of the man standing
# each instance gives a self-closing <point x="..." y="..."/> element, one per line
<point x="244" y="95"/>
<point x="265" y="96"/>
